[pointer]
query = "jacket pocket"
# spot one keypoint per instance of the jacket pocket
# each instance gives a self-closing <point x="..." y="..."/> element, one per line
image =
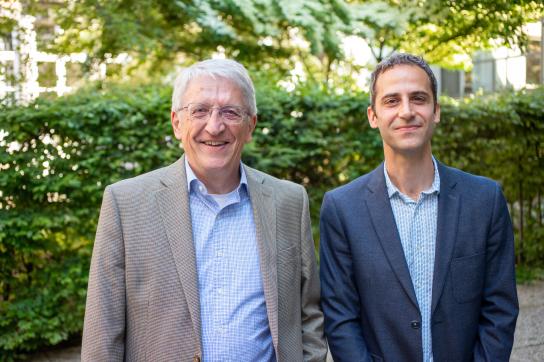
<point x="467" y="277"/>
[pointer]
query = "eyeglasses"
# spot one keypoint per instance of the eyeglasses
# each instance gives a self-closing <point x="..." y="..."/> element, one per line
<point x="199" y="112"/>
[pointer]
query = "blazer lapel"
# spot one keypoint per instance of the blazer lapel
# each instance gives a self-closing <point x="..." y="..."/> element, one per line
<point x="383" y="220"/>
<point x="446" y="231"/>
<point x="173" y="202"/>
<point x="264" y="214"/>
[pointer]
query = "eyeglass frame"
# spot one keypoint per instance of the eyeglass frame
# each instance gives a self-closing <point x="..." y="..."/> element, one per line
<point x="245" y="113"/>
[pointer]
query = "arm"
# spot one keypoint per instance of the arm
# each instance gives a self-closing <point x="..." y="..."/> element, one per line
<point x="339" y="297"/>
<point x="104" y="326"/>
<point x="313" y="341"/>
<point x="500" y="303"/>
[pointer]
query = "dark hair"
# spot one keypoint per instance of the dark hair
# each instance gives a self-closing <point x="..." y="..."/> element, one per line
<point x="401" y="59"/>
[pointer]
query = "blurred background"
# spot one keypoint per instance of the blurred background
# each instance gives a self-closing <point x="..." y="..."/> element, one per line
<point x="85" y="91"/>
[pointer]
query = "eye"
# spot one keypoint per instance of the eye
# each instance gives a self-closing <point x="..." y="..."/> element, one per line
<point x="390" y="101"/>
<point x="231" y="113"/>
<point x="199" y="110"/>
<point x="420" y="99"/>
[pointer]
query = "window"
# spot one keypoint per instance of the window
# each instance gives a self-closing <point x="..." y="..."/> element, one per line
<point x="47" y="76"/>
<point x="74" y="74"/>
<point x="6" y="28"/>
<point x="7" y="76"/>
<point x="451" y="83"/>
<point x="483" y="75"/>
<point x="534" y="62"/>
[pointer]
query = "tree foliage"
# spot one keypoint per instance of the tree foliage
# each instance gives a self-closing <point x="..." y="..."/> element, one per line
<point x="156" y="32"/>
<point x="275" y="35"/>
<point x="445" y="32"/>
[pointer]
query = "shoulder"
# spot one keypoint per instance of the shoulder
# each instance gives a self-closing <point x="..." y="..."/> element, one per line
<point x="286" y="194"/>
<point x="478" y="192"/>
<point x="467" y="181"/>
<point x="275" y="183"/>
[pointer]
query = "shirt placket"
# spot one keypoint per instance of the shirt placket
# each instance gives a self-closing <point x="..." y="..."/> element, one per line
<point x="221" y="291"/>
<point x="411" y="206"/>
<point x="424" y="287"/>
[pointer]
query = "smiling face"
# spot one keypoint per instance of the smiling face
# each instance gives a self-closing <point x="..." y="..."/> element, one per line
<point x="213" y="148"/>
<point x="404" y="112"/>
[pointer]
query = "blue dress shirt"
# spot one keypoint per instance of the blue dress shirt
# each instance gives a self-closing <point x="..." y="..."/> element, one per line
<point x="232" y="304"/>
<point x="416" y="223"/>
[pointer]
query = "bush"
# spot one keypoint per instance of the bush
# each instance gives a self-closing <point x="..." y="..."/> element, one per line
<point x="502" y="137"/>
<point x="58" y="155"/>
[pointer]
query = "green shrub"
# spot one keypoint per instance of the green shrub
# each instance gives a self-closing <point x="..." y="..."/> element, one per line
<point x="55" y="162"/>
<point x="58" y="155"/>
<point x="502" y="137"/>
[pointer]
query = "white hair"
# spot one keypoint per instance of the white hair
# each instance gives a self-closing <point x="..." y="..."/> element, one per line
<point x="215" y="68"/>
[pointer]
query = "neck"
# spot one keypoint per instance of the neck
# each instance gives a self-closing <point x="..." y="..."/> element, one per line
<point x="411" y="174"/>
<point x="220" y="181"/>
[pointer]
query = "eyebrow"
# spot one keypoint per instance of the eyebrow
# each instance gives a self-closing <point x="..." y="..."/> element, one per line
<point x="416" y="93"/>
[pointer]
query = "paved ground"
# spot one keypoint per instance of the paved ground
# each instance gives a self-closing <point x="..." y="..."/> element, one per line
<point x="529" y="337"/>
<point x="528" y="343"/>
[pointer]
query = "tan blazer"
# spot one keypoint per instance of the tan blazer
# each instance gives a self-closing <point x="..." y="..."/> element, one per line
<point x="142" y="299"/>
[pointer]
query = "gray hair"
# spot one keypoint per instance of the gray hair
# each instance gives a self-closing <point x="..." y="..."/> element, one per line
<point x="215" y="68"/>
<point x="401" y="59"/>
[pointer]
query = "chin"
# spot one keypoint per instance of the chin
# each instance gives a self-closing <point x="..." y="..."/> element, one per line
<point x="218" y="165"/>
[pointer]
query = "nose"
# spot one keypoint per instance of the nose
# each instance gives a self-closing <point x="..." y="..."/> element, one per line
<point x="215" y="125"/>
<point x="405" y="110"/>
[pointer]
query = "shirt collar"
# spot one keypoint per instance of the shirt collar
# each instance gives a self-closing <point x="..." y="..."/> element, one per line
<point x="392" y="189"/>
<point x="193" y="181"/>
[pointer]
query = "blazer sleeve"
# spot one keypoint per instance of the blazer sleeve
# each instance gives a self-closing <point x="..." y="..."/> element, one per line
<point x="339" y="297"/>
<point x="313" y="342"/>
<point x="500" y="303"/>
<point x="104" y="325"/>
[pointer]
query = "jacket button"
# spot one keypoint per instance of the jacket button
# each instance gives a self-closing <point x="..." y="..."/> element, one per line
<point x="415" y="324"/>
<point x="196" y="358"/>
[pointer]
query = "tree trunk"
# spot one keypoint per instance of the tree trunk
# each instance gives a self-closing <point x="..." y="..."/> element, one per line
<point x="539" y="208"/>
<point x="521" y="215"/>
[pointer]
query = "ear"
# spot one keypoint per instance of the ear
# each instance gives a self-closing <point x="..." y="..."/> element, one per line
<point x="251" y="124"/>
<point x="372" y="119"/>
<point x="437" y="114"/>
<point x="176" y="125"/>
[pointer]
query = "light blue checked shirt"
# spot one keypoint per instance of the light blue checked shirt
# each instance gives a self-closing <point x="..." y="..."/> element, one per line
<point x="232" y="306"/>
<point x="416" y="224"/>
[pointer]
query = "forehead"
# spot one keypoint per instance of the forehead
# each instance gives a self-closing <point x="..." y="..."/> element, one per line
<point x="403" y="78"/>
<point x="212" y="89"/>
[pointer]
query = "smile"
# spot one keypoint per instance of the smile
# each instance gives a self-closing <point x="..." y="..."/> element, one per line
<point x="215" y="143"/>
<point x="408" y="128"/>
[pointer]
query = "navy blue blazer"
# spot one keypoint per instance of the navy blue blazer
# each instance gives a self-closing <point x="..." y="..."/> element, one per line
<point x="369" y="302"/>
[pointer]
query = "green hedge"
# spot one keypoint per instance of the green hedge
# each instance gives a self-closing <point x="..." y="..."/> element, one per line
<point x="58" y="155"/>
<point x="502" y="137"/>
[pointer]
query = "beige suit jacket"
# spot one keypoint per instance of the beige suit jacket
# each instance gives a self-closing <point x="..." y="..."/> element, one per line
<point x="143" y="300"/>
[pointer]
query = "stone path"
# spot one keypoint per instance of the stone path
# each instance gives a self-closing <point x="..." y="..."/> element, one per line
<point x="529" y="337"/>
<point x="528" y="343"/>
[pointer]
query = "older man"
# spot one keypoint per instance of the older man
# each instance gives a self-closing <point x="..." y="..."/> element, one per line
<point x="417" y="258"/>
<point x="205" y="259"/>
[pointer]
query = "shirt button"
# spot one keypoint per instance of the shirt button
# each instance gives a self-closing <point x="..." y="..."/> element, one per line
<point x="219" y="253"/>
<point x="415" y="324"/>
<point x="220" y="291"/>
